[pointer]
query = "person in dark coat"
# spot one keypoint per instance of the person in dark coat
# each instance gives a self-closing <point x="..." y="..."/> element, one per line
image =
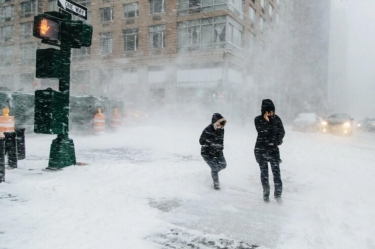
<point x="270" y="136"/>
<point x="212" y="142"/>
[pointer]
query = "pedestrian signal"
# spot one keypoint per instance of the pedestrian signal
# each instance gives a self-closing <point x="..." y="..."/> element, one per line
<point x="46" y="28"/>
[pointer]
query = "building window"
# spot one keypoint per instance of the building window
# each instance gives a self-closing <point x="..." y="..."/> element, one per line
<point x="28" y="52"/>
<point x="261" y="23"/>
<point x="202" y="34"/>
<point x="52" y="5"/>
<point x="131" y="10"/>
<point x="6" y="13"/>
<point x="192" y="6"/>
<point x="6" y="82"/>
<point x="157" y="74"/>
<point x="28" y="8"/>
<point x="237" y="4"/>
<point x="130" y="39"/>
<point x="235" y="36"/>
<point x="106" y="41"/>
<point x="270" y="10"/>
<point x="262" y="3"/>
<point x="84" y="2"/>
<point x="202" y="75"/>
<point x="157" y="6"/>
<point x="26" y="30"/>
<point x="80" y="82"/>
<point x="130" y="75"/>
<point x="106" y="14"/>
<point x="156" y="36"/>
<point x="105" y="82"/>
<point x="26" y="82"/>
<point x="195" y="6"/>
<point x="6" y="33"/>
<point x="251" y="43"/>
<point x="252" y="14"/>
<point x="88" y="21"/>
<point x="5" y="1"/>
<point x="81" y="53"/>
<point x="6" y="55"/>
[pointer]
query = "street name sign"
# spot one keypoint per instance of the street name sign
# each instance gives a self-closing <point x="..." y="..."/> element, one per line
<point x="73" y="7"/>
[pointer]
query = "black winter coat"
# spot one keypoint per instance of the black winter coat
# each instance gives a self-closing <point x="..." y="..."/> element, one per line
<point x="212" y="140"/>
<point x="270" y="135"/>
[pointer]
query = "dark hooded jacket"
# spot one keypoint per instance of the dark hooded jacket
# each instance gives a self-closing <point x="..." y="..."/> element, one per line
<point x="270" y="135"/>
<point x="212" y="140"/>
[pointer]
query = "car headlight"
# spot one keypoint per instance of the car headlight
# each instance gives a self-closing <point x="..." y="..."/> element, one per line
<point x="324" y="122"/>
<point x="359" y="125"/>
<point x="347" y="124"/>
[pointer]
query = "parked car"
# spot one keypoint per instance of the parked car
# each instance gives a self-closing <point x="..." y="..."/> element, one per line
<point x="340" y="123"/>
<point x="368" y="125"/>
<point x="307" y="122"/>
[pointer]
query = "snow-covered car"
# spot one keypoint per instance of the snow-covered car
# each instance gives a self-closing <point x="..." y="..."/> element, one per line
<point x="340" y="123"/>
<point x="307" y="122"/>
<point x="368" y="125"/>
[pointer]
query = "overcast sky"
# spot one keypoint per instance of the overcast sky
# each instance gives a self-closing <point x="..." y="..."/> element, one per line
<point x="360" y="16"/>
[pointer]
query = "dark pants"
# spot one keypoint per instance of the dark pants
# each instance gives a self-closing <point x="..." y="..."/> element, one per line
<point x="276" y="178"/>
<point x="216" y="164"/>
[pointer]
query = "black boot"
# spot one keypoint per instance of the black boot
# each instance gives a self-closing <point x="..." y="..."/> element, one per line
<point x="278" y="199"/>
<point x="216" y="185"/>
<point x="215" y="178"/>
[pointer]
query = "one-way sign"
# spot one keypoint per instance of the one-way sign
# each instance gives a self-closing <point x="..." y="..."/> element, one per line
<point x="72" y="7"/>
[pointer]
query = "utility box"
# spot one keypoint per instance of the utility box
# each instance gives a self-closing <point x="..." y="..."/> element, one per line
<point x="51" y="112"/>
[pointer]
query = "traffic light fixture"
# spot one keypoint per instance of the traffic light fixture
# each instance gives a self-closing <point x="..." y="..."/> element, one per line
<point x="49" y="64"/>
<point x="53" y="27"/>
<point x="46" y="28"/>
<point x="76" y="34"/>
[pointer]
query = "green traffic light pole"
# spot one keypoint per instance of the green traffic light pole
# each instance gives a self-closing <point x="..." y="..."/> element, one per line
<point x="52" y="107"/>
<point x="62" y="153"/>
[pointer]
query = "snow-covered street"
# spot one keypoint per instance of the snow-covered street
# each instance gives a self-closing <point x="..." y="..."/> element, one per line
<point x="148" y="187"/>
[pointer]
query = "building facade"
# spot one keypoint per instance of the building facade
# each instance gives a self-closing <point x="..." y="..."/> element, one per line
<point x="186" y="51"/>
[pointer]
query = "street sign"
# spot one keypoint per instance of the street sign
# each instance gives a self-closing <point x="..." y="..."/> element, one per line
<point x="73" y="8"/>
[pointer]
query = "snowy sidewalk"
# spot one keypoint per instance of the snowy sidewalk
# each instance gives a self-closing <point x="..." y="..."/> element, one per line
<point x="148" y="187"/>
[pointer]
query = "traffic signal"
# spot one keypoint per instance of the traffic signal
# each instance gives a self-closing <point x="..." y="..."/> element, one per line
<point x="53" y="27"/>
<point x="76" y="34"/>
<point x="49" y="63"/>
<point x="51" y="114"/>
<point x="46" y="28"/>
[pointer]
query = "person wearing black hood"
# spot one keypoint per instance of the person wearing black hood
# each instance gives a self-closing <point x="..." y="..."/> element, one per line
<point x="212" y="142"/>
<point x="270" y="135"/>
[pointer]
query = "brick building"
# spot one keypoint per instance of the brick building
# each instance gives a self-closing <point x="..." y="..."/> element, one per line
<point x="176" y="50"/>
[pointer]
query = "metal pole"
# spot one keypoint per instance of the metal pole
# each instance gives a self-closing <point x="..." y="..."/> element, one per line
<point x="62" y="151"/>
<point x="20" y="140"/>
<point x="11" y="148"/>
<point x="2" y="159"/>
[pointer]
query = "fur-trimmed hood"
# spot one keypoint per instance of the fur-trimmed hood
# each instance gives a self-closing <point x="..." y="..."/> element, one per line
<point x="218" y="119"/>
